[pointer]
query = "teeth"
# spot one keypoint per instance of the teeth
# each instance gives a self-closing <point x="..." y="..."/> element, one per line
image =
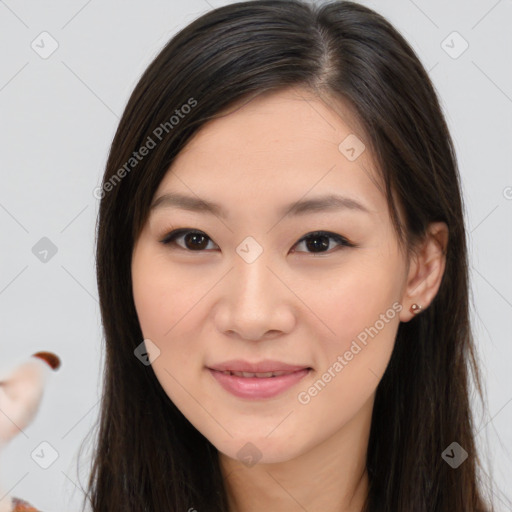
<point x="258" y="375"/>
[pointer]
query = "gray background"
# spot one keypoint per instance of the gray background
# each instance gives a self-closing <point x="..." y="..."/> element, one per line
<point x="57" y="118"/>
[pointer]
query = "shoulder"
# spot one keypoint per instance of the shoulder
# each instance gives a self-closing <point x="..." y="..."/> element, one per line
<point x="22" y="506"/>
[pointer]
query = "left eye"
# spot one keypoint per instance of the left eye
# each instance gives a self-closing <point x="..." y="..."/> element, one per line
<point x="316" y="242"/>
<point x="321" y="240"/>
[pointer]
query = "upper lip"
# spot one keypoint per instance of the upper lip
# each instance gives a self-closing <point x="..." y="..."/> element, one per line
<point x="265" y="366"/>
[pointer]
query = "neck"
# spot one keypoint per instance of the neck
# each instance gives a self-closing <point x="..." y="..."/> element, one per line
<point x="331" y="476"/>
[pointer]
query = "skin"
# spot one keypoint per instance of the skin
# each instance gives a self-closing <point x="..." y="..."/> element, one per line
<point x="293" y="303"/>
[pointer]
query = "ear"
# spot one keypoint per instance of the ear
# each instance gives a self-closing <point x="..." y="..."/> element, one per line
<point x="426" y="270"/>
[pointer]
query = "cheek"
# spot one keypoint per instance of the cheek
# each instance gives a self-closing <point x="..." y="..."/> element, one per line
<point x="162" y="296"/>
<point x="152" y="301"/>
<point x="365" y="318"/>
<point x="355" y="300"/>
<point x="167" y="302"/>
<point x="361" y="309"/>
<point x="168" y="317"/>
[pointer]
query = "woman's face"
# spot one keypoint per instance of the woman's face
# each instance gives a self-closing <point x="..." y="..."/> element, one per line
<point x="249" y="287"/>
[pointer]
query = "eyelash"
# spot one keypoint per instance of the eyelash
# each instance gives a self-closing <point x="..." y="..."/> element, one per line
<point x="170" y="239"/>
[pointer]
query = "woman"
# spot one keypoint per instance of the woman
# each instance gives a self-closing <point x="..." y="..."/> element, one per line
<point x="282" y="271"/>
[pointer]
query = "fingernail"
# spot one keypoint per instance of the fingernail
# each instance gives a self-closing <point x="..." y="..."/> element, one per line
<point x="50" y="358"/>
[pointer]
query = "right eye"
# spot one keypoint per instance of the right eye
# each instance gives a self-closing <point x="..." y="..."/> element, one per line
<point x="193" y="240"/>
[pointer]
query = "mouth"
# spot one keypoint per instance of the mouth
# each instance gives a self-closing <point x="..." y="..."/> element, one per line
<point x="258" y="385"/>
<point x="260" y="375"/>
<point x="262" y="367"/>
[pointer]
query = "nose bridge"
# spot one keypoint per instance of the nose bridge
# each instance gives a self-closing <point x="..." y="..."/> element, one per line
<point x="252" y="275"/>
<point x="249" y="250"/>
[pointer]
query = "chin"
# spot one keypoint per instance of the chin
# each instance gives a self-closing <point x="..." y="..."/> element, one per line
<point x="250" y="451"/>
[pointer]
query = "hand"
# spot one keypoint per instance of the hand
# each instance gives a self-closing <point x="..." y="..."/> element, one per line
<point x="20" y="396"/>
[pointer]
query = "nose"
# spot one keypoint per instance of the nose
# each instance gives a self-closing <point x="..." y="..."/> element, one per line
<point x="255" y="301"/>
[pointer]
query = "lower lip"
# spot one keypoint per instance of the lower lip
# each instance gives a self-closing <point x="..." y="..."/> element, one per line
<point x="258" y="388"/>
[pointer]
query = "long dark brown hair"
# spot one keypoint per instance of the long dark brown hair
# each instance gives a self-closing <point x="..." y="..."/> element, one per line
<point x="148" y="456"/>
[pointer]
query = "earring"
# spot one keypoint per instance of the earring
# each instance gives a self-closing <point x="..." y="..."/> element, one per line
<point x="415" y="308"/>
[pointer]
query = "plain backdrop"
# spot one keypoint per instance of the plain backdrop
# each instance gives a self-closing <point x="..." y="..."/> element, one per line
<point x="58" y="114"/>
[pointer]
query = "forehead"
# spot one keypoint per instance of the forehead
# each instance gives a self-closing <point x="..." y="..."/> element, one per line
<point x="281" y="145"/>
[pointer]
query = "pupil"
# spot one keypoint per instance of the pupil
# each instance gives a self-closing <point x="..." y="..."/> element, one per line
<point x="194" y="237"/>
<point x="322" y="245"/>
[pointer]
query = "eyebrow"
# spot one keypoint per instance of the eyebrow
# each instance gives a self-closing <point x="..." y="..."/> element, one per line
<point x="329" y="202"/>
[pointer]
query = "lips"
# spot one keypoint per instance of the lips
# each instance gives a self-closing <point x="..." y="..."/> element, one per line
<point x="266" y="368"/>
<point x="258" y="388"/>
<point x="257" y="381"/>
<point x="260" y="375"/>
